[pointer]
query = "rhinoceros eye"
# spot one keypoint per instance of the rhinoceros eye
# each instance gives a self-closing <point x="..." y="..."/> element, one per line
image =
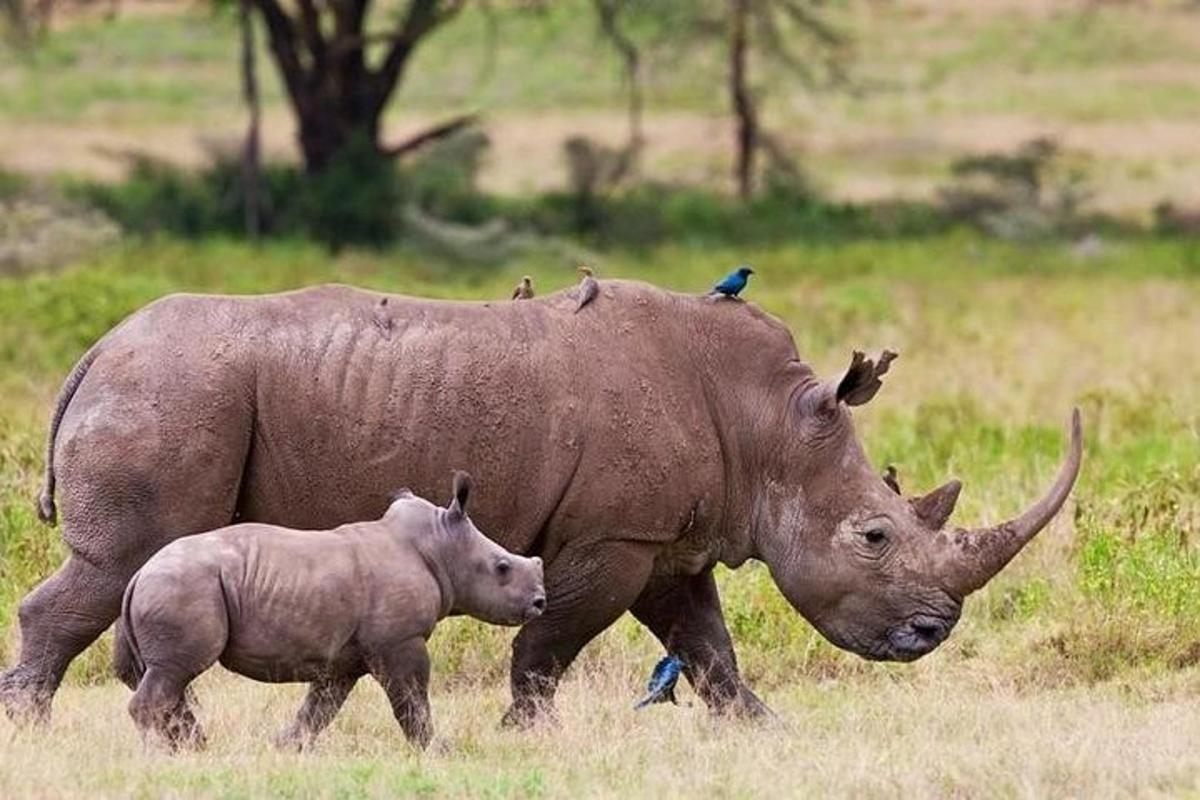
<point x="503" y="568"/>
<point x="875" y="535"/>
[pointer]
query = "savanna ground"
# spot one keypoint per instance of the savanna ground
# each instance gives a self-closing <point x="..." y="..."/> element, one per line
<point x="1076" y="672"/>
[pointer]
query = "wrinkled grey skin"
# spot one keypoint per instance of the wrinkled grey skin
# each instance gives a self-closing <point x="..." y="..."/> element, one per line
<point x="321" y="607"/>
<point x="652" y="435"/>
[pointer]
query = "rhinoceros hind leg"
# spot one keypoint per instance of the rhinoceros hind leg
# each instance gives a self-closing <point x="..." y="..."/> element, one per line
<point x="58" y="620"/>
<point x="588" y="588"/>
<point x="160" y="708"/>
<point x="123" y="498"/>
<point x="324" y="699"/>
<point x="684" y="613"/>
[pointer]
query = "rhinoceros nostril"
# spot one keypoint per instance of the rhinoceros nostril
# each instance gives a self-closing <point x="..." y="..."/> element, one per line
<point x="539" y="603"/>
<point x="927" y="631"/>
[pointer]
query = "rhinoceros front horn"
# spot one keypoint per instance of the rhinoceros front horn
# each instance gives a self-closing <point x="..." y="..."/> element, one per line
<point x="978" y="555"/>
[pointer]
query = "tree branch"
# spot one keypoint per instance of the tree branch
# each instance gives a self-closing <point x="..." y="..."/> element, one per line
<point x="283" y="44"/>
<point x="251" y="146"/>
<point x="608" y="12"/>
<point x="310" y="24"/>
<point x="439" y="131"/>
<point x="422" y="17"/>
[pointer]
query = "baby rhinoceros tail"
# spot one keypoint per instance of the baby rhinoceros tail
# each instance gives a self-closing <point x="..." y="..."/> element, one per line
<point x="127" y="660"/>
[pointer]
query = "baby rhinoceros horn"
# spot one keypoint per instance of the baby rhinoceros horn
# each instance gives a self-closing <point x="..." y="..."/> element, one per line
<point x="975" y="556"/>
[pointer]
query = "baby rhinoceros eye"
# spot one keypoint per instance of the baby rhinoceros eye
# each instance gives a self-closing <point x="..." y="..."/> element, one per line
<point x="503" y="568"/>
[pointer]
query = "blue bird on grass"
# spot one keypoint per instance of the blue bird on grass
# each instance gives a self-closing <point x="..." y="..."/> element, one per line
<point x="661" y="687"/>
<point x="733" y="283"/>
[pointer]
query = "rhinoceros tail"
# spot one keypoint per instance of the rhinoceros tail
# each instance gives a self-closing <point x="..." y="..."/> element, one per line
<point x="127" y="659"/>
<point x="46" y="509"/>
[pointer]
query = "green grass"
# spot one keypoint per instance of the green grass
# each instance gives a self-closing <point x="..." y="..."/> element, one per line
<point x="1071" y="38"/>
<point x="998" y="341"/>
<point x="153" y="69"/>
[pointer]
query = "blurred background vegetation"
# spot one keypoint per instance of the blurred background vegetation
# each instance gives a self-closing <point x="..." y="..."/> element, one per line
<point x="1006" y="191"/>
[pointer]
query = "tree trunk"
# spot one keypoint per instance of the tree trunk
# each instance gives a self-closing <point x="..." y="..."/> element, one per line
<point x="326" y="128"/>
<point x="741" y="97"/>
<point x="251" y="147"/>
<point x="609" y="11"/>
<point x="321" y="55"/>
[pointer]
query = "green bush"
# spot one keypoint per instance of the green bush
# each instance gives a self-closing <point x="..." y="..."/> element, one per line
<point x="355" y="200"/>
<point x="359" y="197"/>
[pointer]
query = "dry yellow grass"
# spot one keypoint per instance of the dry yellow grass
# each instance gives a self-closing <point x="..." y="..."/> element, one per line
<point x="936" y="732"/>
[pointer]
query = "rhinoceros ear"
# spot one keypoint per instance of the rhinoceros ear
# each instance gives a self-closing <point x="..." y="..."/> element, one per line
<point x="462" y="493"/>
<point x="936" y="507"/>
<point x="862" y="379"/>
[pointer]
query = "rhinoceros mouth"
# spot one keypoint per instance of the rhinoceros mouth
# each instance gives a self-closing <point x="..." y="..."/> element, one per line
<point x="917" y="636"/>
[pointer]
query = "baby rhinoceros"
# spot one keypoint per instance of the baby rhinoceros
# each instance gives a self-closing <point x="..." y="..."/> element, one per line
<point x="322" y="607"/>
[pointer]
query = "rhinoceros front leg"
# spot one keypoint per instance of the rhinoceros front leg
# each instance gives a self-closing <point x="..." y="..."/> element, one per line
<point x="684" y="613"/>
<point x="587" y="588"/>
<point x="402" y="670"/>
<point x="324" y="699"/>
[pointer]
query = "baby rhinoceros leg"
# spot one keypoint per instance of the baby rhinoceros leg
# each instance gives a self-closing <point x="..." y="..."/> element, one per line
<point x="322" y="703"/>
<point x="402" y="669"/>
<point x="175" y="631"/>
<point x="160" y="707"/>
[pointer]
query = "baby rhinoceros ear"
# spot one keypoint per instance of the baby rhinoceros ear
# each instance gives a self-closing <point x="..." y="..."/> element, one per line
<point x="461" y="493"/>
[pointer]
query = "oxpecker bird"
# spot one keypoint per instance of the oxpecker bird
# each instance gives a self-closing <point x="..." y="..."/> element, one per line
<point x="661" y="687"/>
<point x="733" y="283"/>
<point x="892" y="479"/>
<point x="588" y="288"/>
<point x="524" y="290"/>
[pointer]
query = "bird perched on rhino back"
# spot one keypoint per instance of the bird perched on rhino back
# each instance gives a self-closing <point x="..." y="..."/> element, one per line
<point x="733" y="283"/>
<point x="589" y="287"/>
<point x="661" y="687"/>
<point x="524" y="289"/>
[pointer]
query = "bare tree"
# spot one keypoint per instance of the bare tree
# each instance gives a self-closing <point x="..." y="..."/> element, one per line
<point x="744" y="108"/>
<point x="609" y="13"/>
<point x="336" y="90"/>
<point x="792" y="37"/>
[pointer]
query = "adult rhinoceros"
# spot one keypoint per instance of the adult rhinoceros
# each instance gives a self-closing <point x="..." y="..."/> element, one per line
<point x="632" y="446"/>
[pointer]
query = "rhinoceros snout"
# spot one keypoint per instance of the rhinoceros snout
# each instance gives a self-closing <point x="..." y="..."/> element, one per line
<point x="536" y="607"/>
<point x="918" y="636"/>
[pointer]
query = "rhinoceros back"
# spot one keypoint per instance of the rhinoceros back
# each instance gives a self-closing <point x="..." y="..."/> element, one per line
<point x="312" y="407"/>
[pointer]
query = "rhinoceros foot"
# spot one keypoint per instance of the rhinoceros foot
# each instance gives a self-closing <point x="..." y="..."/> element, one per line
<point x="26" y="697"/>
<point x="529" y="713"/>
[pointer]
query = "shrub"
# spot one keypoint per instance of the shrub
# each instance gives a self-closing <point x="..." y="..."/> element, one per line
<point x="355" y="200"/>
<point x="1032" y="192"/>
